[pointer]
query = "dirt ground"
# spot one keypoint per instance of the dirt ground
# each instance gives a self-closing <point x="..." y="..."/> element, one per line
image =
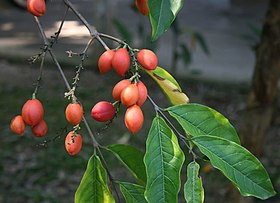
<point x="32" y="173"/>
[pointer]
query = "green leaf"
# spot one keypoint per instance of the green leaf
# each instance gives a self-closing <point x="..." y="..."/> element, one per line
<point x="169" y="85"/>
<point x="162" y="14"/>
<point x="132" y="158"/>
<point x="93" y="186"/>
<point x="198" y="119"/>
<point x="133" y="193"/>
<point x="163" y="160"/>
<point x="237" y="164"/>
<point x="193" y="189"/>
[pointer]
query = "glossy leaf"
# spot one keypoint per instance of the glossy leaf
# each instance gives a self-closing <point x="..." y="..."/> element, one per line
<point x="132" y="158"/>
<point x="163" y="160"/>
<point x="198" y="119"/>
<point x="93" y="186"/>
<point x="169" y="85"/>
<point x="193" y="189"/>
<point x="162" y="14"/>
<point x="133" y="193"/>
<point x="237" y="164"/>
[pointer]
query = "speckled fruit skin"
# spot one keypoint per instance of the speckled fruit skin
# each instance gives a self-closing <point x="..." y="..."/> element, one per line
<point x="17" y="125"/>
<point x="32" y="112"/>
<point x="121" y="61"/>
<point x="118" y="88"/>
<point x="142" y="6"/>
<point x="71" y="147"/>
<point x="134" y="119"/>
<point x="41" y="129"/>
<point x="105" y="61"/>
<point x="143" y="93"/>
<point x="103" y="111"/>
<point x="130" y="95"/>
<point x="36" y="7"/>
<point x="74" y="113"/>
<point x="147" y="59"/>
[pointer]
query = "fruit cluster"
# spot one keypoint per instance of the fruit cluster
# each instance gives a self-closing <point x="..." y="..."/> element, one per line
<point x="32" y="114"/>
<point x="74" y="115"/>
<point x="120" y="60"/>
<point x="132" y="93"/>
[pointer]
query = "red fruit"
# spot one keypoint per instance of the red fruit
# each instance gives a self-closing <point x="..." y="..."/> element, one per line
<point x="32" y="112"/>
<point x="74" y="113"/>
<point x="143" y="93"/>
<point x="105" y="61"/>
<point x="17" y="125"/>
<point x="117" y="90"/>
<point x="103" y="111"/>
<point x="73" y="143"/>
<point x="40" y="130"/>
<point x="134" y="119"/>
<point x="142" y="6"/>
<point x="36" y="7"/>
<point x="147" y="59"/>
<point x="121" y="61"/>
<point x="130" y="95"/>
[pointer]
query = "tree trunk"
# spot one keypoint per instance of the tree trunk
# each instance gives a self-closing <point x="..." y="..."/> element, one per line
<point x="262" y="96"/>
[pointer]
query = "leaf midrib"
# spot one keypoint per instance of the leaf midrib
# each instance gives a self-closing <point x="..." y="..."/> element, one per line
<point x="159" y="17"/>
<point x="129" y="193"/>
<point x="194" y="126"/>
<point x="220" y="158"/>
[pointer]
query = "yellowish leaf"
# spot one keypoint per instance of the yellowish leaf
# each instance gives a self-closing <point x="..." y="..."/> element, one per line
<point x="169" y="86"/>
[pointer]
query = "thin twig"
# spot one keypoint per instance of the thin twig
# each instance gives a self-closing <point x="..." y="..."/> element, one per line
<point x="92" y="30"/>
<point x="55" y="38"/>
<point x="179" y="135"/>
<point x="39" y="76"/>
<point x="95" y="143"/>
<point x="112" y="38"/>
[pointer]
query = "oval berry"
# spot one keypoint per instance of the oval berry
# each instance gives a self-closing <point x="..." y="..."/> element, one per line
<point x="17" y="125"/>
<point x="103" y="111"/>
<point x="134" y="119"/>
<point x="142" y="6"/>
<point x="130" y="95"/>
<point x="143" y="93"/>
<point x="118" y="88"/>
<point x="32" y="112"/>
<point x="73" y="143"/>
<point x="36" y="7"/>
<point x="41" y="129"/>
<point x="105" y="61"/>
<point x="121" y="61"/>
<point x="147" y="59"/>
<point x="74" y="113"/>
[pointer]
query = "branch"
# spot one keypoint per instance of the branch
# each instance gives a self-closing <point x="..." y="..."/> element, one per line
<point x="179" y="135"/>
<point x="95" y="143"/>
<point x="92" y="30"/>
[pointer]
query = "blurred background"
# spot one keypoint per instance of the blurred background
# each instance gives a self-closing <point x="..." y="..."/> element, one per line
<point x="210" y="49"/>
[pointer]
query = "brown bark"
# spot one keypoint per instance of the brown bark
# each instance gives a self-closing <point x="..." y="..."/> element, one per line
<point x="260" y="105"/>
<point x="262" y="96"/>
